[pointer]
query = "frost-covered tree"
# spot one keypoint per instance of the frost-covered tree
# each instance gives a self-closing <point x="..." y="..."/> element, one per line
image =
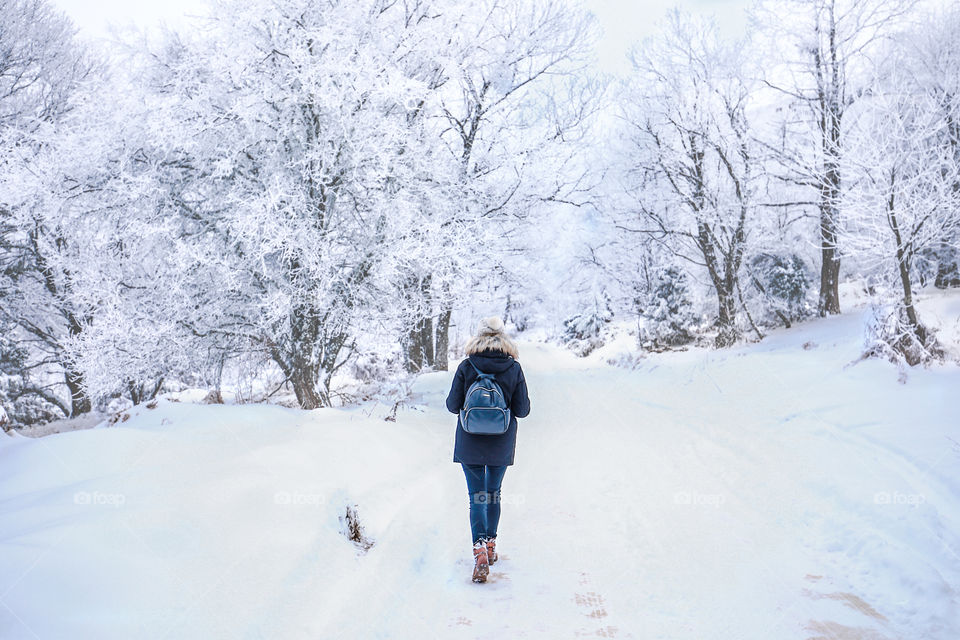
<point x="279" y="158"/>
<point x="930" y="62"/>
<point x="823" y="48"/>
<point x="293" y="183"/>
<point x="693" y="166"/>
<point x="21" y="394"/>
<point x="41" y="64"/>
<point x="111" y="261"/>
<point x="42" y="72"/>
<point x="903" y="195"/>
<point x="511" y="117"/>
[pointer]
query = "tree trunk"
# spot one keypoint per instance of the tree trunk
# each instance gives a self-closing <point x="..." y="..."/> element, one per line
<point x="829" y="303"/>
<point x="426" y="339"/>
<point x="426" y="323"/>
<point x="215" y="395"/>
<point x="728" y="333"/>
<point x="830" y="86"/>
<point x="830" y="265"/>
<point x="725" y="287"/>
<point x="724" y="279"/>
<point x="919" y="345"/>
<point x="908" y="296"/>
<point x="301" y="364"/>
<point x="420" y="346"/>
<point x="414" y="348"/>
<point x="948" y="274"/>
<point x="79" y="401"/>
<point x="903" y="267"/>
<point x="419" y="341"/>
<point x="143" y="391"/>
<point x="442" y="352"/>
<point x="303" y="378"/>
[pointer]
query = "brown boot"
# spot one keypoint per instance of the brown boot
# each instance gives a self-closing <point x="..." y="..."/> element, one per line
<point x="491" y="550"/>
<point x="481" y="566"/>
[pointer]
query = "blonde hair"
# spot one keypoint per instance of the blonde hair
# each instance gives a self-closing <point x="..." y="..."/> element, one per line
<point x="492" y="337"/>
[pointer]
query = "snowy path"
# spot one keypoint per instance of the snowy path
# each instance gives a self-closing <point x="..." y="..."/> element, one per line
<point x="765" y="492"/>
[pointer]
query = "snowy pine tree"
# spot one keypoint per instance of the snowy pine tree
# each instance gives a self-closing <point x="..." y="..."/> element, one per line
<point x="783" y="284"/>
<point x="668" y="313"/>
<point x="583" y="331"/>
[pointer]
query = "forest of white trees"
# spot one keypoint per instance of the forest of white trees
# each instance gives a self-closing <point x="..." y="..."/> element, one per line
<point x="320" y="196"/>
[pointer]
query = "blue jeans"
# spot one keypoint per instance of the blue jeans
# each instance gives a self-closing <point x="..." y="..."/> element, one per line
<point x="483" y="485"/>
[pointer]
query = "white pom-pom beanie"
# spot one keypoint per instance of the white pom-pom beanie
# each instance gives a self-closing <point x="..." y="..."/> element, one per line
<point x="491" y="336"/>
<point x="490" y="326"/>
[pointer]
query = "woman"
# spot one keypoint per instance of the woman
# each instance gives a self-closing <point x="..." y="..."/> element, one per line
<point x="485" y="458"/>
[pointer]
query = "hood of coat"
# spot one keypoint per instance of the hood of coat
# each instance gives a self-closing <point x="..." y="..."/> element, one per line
<point x="491" y="361"/>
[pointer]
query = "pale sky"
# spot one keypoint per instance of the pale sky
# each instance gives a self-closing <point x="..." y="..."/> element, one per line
<point x="623" y="21"/>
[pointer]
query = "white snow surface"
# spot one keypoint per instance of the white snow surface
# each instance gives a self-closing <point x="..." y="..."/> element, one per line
<point x="769" y="491"/>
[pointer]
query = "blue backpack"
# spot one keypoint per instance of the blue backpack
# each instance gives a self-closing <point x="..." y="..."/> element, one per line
<point x="485" y="410"/>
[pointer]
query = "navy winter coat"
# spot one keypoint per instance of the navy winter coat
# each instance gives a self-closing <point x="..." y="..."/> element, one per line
<point x="480" y="449"/>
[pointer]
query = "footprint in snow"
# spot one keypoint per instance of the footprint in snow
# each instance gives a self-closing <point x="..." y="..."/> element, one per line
<point x="594" y="603"/>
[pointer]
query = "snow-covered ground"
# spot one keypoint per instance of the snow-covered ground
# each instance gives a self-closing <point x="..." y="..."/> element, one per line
<point x="769" y="491"/>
